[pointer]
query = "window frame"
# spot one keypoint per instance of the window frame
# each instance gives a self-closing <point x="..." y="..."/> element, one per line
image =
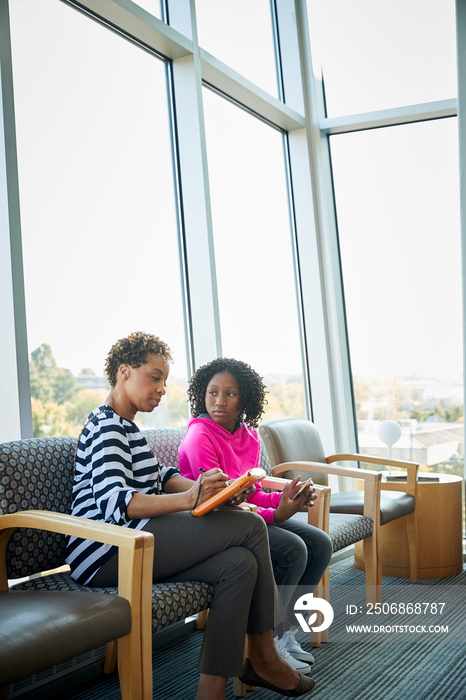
<point x="300" y="114"/>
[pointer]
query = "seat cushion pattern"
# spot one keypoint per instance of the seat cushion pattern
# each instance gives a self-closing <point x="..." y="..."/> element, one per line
<point x="264" y="462"/>
<point x="37" y="474"/>
<point x="171" y="602"/>
<point x="344" y="529"/>
<point x="164" y="443"/>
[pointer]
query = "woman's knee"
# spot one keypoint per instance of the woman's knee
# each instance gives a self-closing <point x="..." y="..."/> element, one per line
<point x="324" y="545"/>
<point x="245" y="562"/>
<point x="289" y="554"/>
<point x="238" y="563"/>
<point x="251" y="525"/>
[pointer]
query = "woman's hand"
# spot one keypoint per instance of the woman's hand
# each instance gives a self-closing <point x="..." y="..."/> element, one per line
<point x="287" y="506"/>
<point x="211" y="482"/>
<point x="180" y="494"/>
<point x="241" y="496"/>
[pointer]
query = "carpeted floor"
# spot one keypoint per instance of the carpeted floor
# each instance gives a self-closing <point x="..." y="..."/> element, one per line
<point x="413" y="657"/>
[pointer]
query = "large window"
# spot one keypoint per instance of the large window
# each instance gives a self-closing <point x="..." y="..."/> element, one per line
<point x="98" y="218"/>
<point x="254" y="252"/>
<point x="240" y="34"/>
<point x="398" y="215"/>
<point x="377" y="55"/>
<point x="154" y="194"/>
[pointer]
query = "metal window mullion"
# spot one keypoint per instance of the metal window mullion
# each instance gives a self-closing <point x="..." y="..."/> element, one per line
<point x="331" y="380"/>
<point x="311" y="227"/>
<point x="407" y="114"/>
<point x="138" y="24"/>
<point x="461" y="67"/>
<point x="306" y="266"/>
<point x="14" y="365"/>
<point x="197" y="235"/>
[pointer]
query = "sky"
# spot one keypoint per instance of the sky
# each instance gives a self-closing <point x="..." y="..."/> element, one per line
<point x="98" y="217"/>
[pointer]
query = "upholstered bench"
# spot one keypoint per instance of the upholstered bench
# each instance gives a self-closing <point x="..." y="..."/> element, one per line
<point x="37" y="474"/>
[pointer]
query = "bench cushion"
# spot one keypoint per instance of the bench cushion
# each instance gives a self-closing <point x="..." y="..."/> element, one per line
<point x="171" y="602"/>
<point x="35" y="628"/>
<point x="393" y="504"/>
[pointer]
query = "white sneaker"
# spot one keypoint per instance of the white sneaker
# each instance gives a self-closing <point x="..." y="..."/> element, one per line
<point x="292" y="646"/>
<point x="298" y="665"/>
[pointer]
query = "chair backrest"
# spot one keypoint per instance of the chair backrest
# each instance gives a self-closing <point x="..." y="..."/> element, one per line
<point x="293" y="440"/>
<point x="264" y="462"/>
<point x="37" y="474"/>
<point x="164" y="443"/>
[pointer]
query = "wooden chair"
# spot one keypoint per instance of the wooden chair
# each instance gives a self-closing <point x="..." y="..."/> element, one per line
<point x="294" y="446"/>
<point x="37" y="473"/>
<point x="41" y="628"/>
<point x="343" y="529"/>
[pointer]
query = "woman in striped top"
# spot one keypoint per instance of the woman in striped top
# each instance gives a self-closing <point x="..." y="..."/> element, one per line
<point x="119" y="480"/>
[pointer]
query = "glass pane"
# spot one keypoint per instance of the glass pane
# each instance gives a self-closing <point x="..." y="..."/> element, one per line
<point x="152" y="6"/>
<point x="240" y="34"/>
<point x="253" y="252"/>
<point x="98" y="214"/>
<point x="398" y="216"/>
<point x="377" y="55"/>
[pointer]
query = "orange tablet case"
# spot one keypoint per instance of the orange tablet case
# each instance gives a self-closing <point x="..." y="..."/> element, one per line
<point x="240" y="484"/>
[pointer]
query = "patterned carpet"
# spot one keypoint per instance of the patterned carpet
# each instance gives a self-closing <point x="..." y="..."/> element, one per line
<point x="405" y="660"/>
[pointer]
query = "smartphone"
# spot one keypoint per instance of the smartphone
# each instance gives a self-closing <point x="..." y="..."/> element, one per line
<point x="306" y="483"/>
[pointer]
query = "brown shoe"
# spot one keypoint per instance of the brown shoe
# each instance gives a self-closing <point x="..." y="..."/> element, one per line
<point x="250" y="677"/>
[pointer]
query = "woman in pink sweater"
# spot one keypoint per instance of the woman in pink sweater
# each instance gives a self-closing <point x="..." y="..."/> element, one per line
<point x="227" y="401"/>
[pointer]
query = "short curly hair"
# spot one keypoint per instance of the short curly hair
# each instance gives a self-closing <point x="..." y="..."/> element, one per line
<point x="252" y="390"/>
<point x="134" y="351"/>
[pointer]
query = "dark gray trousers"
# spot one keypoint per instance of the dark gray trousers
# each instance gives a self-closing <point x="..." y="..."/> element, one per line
<point x="228" y="549"/>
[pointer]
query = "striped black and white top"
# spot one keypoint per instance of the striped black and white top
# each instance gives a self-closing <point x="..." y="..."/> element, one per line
<point x="113" y="462"/>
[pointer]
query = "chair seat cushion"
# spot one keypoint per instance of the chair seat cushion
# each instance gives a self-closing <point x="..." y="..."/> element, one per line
<point x="171" y="602"/>
<point x="393" y="504"/>
<point x="344" y="529"/>
<point x="42" y="628"/>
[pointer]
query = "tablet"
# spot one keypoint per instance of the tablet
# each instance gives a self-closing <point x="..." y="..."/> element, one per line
<point x="239" y="485"/>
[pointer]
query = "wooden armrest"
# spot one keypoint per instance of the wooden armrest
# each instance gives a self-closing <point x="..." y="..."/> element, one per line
<point x="135" y="572"/>
<point x="275" y="483"/>
<point x="136" y="547"/>
<point x="372" y="481"/>
<point x="368" y="459"/>
<point x="76" y="526"/>
<point x="278" y="484"/>
<point x="412" y="468"/>
<point x="318" y="514"/>
<point x="323" y="468"/>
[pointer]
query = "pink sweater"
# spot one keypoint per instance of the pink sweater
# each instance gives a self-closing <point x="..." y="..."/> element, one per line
<point x="208" y="445"/>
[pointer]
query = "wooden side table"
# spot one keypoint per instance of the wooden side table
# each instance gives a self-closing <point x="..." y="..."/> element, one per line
<point x="439" y="505"/>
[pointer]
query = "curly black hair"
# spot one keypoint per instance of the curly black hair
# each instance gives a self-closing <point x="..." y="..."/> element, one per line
<point x="134" y="351"/>
<point x="252" y="390"/>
